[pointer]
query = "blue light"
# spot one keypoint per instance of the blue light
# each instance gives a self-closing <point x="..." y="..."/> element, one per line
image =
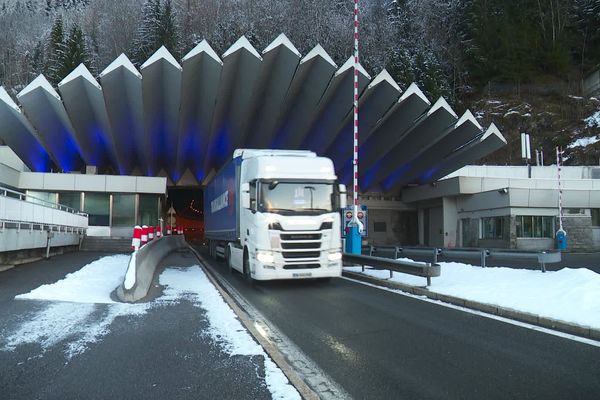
<point x="394" y="176"/>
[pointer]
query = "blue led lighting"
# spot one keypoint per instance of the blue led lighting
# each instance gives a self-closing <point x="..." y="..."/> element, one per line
<point x="394" y="176"/>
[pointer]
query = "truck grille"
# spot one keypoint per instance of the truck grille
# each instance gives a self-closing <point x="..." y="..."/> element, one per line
<point x="301" y="249"/>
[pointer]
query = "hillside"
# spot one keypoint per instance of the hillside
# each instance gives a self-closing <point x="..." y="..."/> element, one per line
<point x="552" y="119"/>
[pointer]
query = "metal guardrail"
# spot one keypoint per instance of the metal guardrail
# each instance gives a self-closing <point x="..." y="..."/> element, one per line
<point x="406" y="267"/>
<point x="6" y="192"/>
<point x="38" y="226"/>
<point x="543" y="257"/>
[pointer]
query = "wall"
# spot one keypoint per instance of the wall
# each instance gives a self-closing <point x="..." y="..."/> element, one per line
<point x="579" y="232"/>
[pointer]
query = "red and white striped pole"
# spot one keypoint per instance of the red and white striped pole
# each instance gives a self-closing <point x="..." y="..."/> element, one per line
<point x="353" y="240"/>
<point x="144" y="239"/>
<point x="560" y="208"/>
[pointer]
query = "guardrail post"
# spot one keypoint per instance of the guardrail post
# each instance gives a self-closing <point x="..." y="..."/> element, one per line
<point x="435" y="255"/>
<point x="483" y="255"/>
<point x="371" y="247"/>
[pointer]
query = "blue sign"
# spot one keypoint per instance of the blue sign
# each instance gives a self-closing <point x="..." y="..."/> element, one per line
<point x="363" y="216"/>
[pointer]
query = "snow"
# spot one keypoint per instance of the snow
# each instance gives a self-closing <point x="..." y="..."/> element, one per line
<point x="492" y="130"/>
<point x="282" y="40"/>
<point x="161" y="54"/>
<point x="130" y="275"/>
<point x="39" y="82"/>
<point x="349" y="64"/>
<point x="584" y="142"/>
<point x="318" y="51"/>
<point x="79" y="312"/>
<point x="413" y="89"/>
<point x="511" y="112"/>
<point x="593" y="120"/>
<point x="91" y="284"/>
<point x="121" y="61"/>
<point x="442" y="103"/>
<point x="468" y="116"/>
<point x="5" y="97"/>
<point x="202" y="47"/>
<point x="384" y="76"/>
<point x="242" y="43"/>
<point x="570" y="295"/>
<point x="83" y="72"/>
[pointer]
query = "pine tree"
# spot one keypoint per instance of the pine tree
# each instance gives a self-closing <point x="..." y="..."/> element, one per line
<point x="158" y="28"/>
<point x="75" y="51"/>
<point x="56" y="50"/>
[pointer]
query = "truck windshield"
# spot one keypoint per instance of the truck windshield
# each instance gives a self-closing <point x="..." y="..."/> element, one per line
<point x="296" y="197"/>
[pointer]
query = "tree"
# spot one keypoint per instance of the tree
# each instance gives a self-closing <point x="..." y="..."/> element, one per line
<point x="56" y="50"/>
<point x="158" y="28"/>
<point x="76" y="51"/>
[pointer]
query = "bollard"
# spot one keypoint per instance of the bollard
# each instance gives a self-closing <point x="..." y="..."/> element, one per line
<point x="150" y="233"/>
<point x="158" y="232"/>
<point x="137" y="238"/>
<point x="144" y="235"/>
<point x="173" y="230"/>
<point x="168" y="230"/>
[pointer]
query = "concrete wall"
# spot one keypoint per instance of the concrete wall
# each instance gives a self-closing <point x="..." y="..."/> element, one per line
<point x="579" y="232"/>
<point x="92" y="183"/>
<point x="13" y="239"/>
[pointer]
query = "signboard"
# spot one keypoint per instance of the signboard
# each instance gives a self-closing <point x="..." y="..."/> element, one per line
<point x="363" y="216"/>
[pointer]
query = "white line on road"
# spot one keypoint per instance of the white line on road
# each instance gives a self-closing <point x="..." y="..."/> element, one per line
<point x="591" y="342"/>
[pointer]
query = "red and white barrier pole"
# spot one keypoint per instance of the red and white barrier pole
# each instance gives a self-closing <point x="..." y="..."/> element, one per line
<point x="158" y="231"/>
<point x="137" y="238"/>
<point x="144" y="235"/>
<point x="150" y="233"/>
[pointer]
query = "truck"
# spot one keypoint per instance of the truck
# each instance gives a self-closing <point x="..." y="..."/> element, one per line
<point x="275" y="214"/>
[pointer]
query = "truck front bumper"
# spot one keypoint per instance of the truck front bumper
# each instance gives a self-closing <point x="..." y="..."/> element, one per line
<point x="265" y="272"/>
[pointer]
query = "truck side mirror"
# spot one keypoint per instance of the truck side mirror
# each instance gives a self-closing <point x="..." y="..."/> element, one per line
<point x="342" y="189"/>
<point x="245" y="195"/>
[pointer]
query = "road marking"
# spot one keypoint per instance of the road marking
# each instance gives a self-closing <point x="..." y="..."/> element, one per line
<point x="271" y="338"/>
<point x="590" y="342"/>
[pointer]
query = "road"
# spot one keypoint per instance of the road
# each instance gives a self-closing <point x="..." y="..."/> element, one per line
<point x="163" y="353"/>
<point x="381" y="345"/>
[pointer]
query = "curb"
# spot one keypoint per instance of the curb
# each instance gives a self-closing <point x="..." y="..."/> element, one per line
<point x="533" y="319"/>
<point x="278" y="358"/>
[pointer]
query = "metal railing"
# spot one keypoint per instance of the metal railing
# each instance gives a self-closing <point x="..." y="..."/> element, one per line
<point x="38" y="226"/>
<point x="482" y="255"/>
<point x="426" y="270"/>
<point x="6" y="192"/>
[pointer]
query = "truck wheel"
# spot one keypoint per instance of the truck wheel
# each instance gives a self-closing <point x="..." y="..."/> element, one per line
<point x="247" y="268"/>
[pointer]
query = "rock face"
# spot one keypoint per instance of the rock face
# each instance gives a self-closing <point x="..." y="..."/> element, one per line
<point x="551" y="117"/>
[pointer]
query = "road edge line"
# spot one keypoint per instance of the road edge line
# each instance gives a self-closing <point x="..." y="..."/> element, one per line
<point x="509" y="313"/>
<point x="276" y="356"/>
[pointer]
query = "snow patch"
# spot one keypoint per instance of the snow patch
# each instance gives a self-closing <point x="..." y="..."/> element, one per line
<point x="570" y="295"/>
<point x="584" y="142"/>
<point x="318" y="51"/>
<point x="242" y="43"/>
<point x="80" y="72"/>
<point x="282" y="40"/>
<point x="202" y="47"/>
<point x="130" y="275"/>
<point x="39" y="82"/>
<point x="91" y="284"/>
<point x="593" y="120"/>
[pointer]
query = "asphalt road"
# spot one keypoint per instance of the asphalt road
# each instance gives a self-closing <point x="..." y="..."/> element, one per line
<point x="163" y="354"/>
<point x="381" y="345"/>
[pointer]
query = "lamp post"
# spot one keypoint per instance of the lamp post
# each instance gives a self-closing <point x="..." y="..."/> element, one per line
<point x="353" y="240"/>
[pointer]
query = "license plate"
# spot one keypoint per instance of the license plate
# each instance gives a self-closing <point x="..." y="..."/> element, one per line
<point x="302" y="275"/>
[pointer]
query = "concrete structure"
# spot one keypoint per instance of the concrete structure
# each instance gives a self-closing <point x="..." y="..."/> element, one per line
<point x="500" y="207"/>
<point x="114" y="203"/>
<point x="182" y="120"/>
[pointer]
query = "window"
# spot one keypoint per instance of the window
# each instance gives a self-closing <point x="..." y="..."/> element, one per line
<point x="98" y="209"/>
<point x="379" y="227"/>
<point x="123" y="210"/>
<point x="44" y="198"/>
<point x="595" y="216"/>
<point x="253" y="195"/>
<point x="296" y="197"/>
<point x="70" y="199"/>
<point x="492" y="228"/>
<point x="148" y="209"/>
<point x="535" y="226"/>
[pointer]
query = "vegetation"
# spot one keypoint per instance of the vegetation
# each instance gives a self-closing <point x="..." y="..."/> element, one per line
<point x="520" y="53"/>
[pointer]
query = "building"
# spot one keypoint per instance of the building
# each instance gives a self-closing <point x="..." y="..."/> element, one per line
<point x="501" y="207"/>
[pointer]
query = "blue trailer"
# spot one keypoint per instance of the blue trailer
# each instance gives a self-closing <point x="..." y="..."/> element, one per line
<point x="221" y="210"/>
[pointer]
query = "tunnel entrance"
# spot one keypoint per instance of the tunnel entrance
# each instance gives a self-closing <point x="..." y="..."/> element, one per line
<point x="189" y="208"/>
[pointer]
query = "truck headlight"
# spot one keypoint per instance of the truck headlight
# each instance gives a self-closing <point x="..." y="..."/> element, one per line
<point x="265" y="257"/>
<point x="334" y="256"/>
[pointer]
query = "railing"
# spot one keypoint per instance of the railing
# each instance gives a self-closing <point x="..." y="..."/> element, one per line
<point x="418" y="269"/>
<point x="6" y="192"/>
<point x="34" y="226"/>
<point x="482" y="255"/>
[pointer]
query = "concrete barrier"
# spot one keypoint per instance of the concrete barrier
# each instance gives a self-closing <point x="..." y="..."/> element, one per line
<point x="142" y="266"/>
